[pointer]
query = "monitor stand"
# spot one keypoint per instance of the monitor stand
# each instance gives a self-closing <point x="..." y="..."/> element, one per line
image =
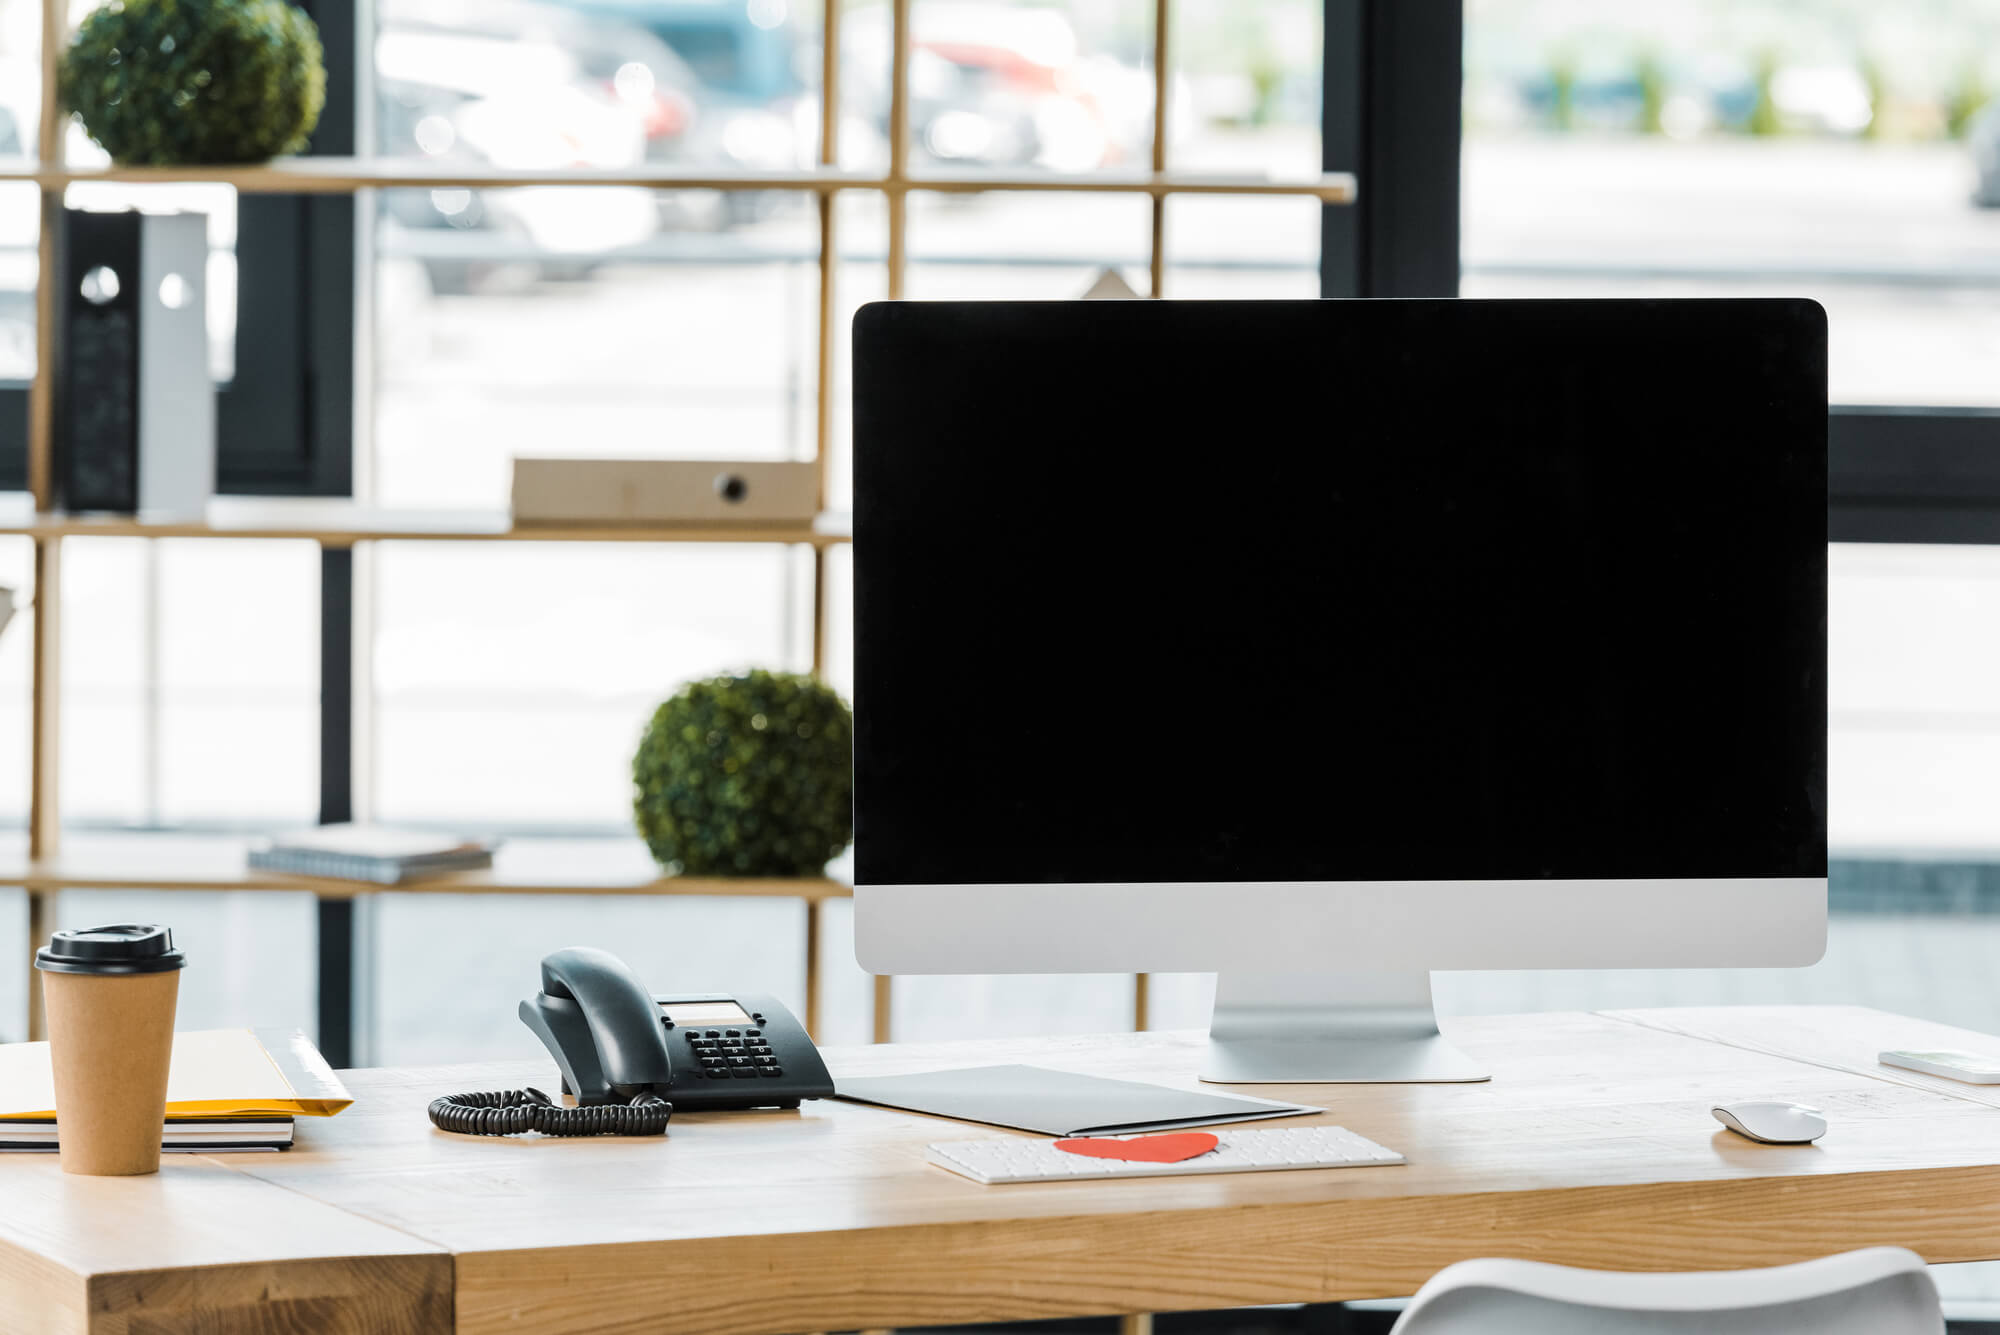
<point x="1329" y="1028"/>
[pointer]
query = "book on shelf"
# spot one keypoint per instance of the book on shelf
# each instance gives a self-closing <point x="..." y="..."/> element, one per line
<point x="227" y="1090"/>
<point x="370" y="853"/>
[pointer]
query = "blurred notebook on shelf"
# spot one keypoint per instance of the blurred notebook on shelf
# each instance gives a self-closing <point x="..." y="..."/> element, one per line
<point x="205" y="1135"/>
<point x="269" y="1075"/>
<point x="370" y="853"/>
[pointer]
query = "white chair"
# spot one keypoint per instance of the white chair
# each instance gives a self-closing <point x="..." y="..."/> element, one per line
<point x="1875" y="1291"/>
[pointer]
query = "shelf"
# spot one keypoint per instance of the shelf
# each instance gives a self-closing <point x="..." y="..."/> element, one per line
<point x="340" y="176"/>
<point x="522" y="867"/>
<point x="330" y="175"/>
<point x="1328" y="188"/>
<point x="340" y="523"/>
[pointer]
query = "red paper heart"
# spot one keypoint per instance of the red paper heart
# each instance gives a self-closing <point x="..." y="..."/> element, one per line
<point x="1144" y="1149"/>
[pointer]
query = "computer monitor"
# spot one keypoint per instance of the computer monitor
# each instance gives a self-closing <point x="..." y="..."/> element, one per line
<point x="1322" y="644"/>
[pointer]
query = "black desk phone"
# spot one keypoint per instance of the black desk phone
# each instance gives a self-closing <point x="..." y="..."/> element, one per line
<point x="631" y="1057"/>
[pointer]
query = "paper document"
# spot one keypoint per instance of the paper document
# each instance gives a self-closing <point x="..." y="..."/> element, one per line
<point x="214" y="1071"/>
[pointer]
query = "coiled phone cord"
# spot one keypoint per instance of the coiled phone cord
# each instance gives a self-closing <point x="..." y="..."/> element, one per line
<point x="511" y="1112"/>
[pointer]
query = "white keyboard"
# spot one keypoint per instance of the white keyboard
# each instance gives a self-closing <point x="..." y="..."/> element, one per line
<point x="992" y="1161"/>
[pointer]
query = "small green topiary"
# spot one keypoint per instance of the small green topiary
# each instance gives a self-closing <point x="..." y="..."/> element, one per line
<point x="166" y="82"/>
<point x="747" y="776"/>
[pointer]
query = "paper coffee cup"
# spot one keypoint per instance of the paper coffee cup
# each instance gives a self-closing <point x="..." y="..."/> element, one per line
<point x="109" y="995"/>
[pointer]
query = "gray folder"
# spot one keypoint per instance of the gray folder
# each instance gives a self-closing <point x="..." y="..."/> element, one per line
<point x="1057" y="1103"/>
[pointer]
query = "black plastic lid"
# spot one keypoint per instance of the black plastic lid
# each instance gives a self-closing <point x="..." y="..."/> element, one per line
<point x="120" y="948"/>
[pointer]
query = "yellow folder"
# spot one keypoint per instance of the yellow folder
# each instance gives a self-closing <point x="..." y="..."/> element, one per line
<point x="270" y="1072"/>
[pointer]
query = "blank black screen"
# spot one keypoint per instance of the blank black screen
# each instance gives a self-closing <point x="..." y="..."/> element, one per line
<point x="1343" y="590"/>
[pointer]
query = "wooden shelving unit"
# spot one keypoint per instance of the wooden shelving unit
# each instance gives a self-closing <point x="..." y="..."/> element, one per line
<point x="339" y="523"/>
<point x="180" y="862"/>
<point x="172" y="861"/>
<point x="46" y="864"/>
<point x="339" y="176"/>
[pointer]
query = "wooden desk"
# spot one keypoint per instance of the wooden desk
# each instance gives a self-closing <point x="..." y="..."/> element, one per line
<point x="1592" y="1145"/>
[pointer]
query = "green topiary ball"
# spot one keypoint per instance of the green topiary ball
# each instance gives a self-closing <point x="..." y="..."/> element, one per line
<point x="747" y="776"/>
<point x="165" y="82"/>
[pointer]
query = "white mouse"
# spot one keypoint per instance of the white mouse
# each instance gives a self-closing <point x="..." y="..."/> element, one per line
<point x="1772" y="1123"/>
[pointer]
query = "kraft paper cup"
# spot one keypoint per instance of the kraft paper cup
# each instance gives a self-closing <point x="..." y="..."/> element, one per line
<point x="109" y="994"/>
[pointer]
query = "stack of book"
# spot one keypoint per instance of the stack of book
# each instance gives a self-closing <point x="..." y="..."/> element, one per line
<point x="206" y="1135"/>
<point x="228" y="1091"/>
<point x="370" y="853"/>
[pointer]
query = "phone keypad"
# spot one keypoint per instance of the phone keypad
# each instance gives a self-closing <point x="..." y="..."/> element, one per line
<point x="733" y="1054"/>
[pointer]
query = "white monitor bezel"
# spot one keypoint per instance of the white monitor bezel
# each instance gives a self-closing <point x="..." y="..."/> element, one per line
<point x="1311" y="926"/>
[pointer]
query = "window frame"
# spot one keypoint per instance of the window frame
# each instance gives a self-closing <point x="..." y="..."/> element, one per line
<point x="1391" y="80"/>
<point x="1913" y="475"/>
<point x="1393" y="86"/>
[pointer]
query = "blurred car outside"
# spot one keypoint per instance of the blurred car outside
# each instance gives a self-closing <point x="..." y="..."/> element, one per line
<point x="518" y="85"/>
<point x="758" y="108"/>
<point x="1000" y="85"/>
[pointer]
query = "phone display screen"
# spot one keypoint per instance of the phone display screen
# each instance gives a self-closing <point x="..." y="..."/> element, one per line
<point x="705" y="1012"/>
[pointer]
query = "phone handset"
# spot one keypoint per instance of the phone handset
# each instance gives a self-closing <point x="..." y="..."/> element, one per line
<point x="603" y="1028"/>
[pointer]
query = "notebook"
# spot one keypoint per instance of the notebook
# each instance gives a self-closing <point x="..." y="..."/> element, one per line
<point x="370" y="853"/>
<point x="1058" y="1103"/>
<point x="271" y="1073"/>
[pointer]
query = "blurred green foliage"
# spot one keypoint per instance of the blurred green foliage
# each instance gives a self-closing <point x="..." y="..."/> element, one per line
<point x="1652" y="78"/>
<point x="1267" y="76"/>
<point x="1925" y="67"/>
<point x="1764" y="111"/>
<point x="747" y="776"/>
<point x="1562" y="88"/>
<point x="165" y="82"/>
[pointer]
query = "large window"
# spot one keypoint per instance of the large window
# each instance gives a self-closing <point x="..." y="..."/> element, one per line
<point x="1697" y="147"/>
<point x="507" y="688"/>
<point x="1838" y="150"/>
<point x="404" y="345"/>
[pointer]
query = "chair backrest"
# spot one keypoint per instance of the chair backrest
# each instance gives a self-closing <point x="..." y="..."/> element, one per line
<point x="1876" y="1291"/>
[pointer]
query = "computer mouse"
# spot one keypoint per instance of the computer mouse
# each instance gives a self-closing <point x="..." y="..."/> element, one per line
<point x="1772" y="1123"/>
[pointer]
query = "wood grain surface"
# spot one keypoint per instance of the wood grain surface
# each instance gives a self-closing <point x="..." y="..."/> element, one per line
<point x="201" y="1247"/>
<point x="1592" y="1145"/>
<point x="520" y="866"/>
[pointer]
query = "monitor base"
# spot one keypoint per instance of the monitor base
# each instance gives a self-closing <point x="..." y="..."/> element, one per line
<point x="1329" y="1028"/>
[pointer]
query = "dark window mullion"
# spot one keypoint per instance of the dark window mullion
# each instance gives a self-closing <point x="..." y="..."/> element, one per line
<point x="13" y="437"/>
<point x="286" y="425"/>
<point x="1923" y="475"/>
<point x="1392" y="76"/>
